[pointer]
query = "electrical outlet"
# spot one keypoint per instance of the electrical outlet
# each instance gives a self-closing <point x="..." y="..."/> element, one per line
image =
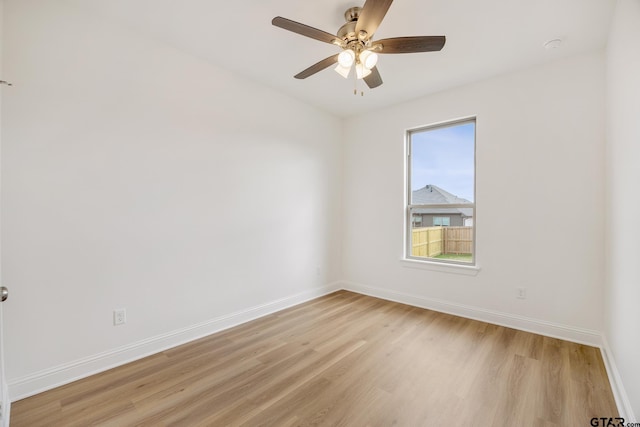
<point x="119" y="316"/>
<point x="521" y="293"/>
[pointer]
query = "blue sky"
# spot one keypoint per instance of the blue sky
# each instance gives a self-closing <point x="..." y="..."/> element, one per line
<point x="444" y="157"/>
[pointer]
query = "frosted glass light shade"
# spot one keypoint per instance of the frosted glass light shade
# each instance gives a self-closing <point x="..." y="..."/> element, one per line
<point x="346" y="58"/>
<point x="343" y="71"/>
<point x="369" y="59"/>
<point x="361" y="71"/>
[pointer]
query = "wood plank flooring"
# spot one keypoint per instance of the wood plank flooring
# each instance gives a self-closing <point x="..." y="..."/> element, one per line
<point x="343" y="360"/>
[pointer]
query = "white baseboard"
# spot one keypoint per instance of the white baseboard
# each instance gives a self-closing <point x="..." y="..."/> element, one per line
<point x="59" y="375"/>
<point x="541" y="327"/>
<point x="619" y="393"/>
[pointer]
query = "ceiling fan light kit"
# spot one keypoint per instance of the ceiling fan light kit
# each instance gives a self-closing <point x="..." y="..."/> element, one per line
<point x="361" y="71"/>
<point x="355" y="39"/>
<point x="346" y="58"/>
<point x="369" y="59"/>
<point x="343" y="71"/>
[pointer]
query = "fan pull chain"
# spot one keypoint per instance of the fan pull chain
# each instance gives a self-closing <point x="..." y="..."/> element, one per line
<point x="355" y="82"/>
<point x="355" y="85"/>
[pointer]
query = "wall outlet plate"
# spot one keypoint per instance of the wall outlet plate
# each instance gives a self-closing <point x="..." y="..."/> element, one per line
<point x="119" y="316"/>
<point x="521" y="293"/>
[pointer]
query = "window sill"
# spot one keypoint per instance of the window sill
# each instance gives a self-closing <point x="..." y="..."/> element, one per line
<point x="467" y="270"/>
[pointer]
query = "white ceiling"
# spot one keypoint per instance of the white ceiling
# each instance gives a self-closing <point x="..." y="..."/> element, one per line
<point x="484" y="38"/>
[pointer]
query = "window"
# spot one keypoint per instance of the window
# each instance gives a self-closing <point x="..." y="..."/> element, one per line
<point x="442" y="221"/>
<point x="441" y="193"/>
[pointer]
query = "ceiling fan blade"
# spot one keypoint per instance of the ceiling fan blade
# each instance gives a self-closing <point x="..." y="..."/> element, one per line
<point x="371" y="16"/>
<point x="411" y="44"/>
<point x="304" y="30"/>
<point x="319" y="66"/>
<point x="374" y="79"/>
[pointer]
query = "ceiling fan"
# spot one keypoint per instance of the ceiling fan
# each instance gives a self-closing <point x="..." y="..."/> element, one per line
<point x="358" y="47"/>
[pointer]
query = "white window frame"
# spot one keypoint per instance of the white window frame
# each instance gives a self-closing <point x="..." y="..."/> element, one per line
<point x="414" y="260"/>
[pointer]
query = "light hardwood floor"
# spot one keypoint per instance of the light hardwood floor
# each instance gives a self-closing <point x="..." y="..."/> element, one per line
<point x="344" y="359"/>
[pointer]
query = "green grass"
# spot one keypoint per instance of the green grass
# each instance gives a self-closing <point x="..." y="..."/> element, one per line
<point x="456" y="257"/>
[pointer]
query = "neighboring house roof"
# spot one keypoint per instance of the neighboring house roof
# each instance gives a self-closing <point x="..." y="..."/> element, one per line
<point x="432" y="194"/>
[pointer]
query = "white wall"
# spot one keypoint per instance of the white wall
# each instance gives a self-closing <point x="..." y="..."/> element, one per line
<point x="137" y="177"/>
<point x="622" y="326"/>
<point x="540" y="144"/>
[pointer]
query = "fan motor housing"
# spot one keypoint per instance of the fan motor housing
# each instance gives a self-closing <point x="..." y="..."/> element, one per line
<point x="348" y="31"/>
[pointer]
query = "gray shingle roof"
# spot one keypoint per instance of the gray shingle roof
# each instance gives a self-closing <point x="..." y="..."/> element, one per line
<point x="432" y="194"/>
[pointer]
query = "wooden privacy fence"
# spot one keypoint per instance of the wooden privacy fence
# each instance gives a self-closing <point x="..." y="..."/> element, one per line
<point x="427" y="242"/>
<point x="433" y="241"/>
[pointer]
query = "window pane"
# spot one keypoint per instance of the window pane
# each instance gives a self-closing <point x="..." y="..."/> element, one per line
<point x="442" y="172"/>
<point x="441" y="242"/>
<point x="442" y="159"/>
